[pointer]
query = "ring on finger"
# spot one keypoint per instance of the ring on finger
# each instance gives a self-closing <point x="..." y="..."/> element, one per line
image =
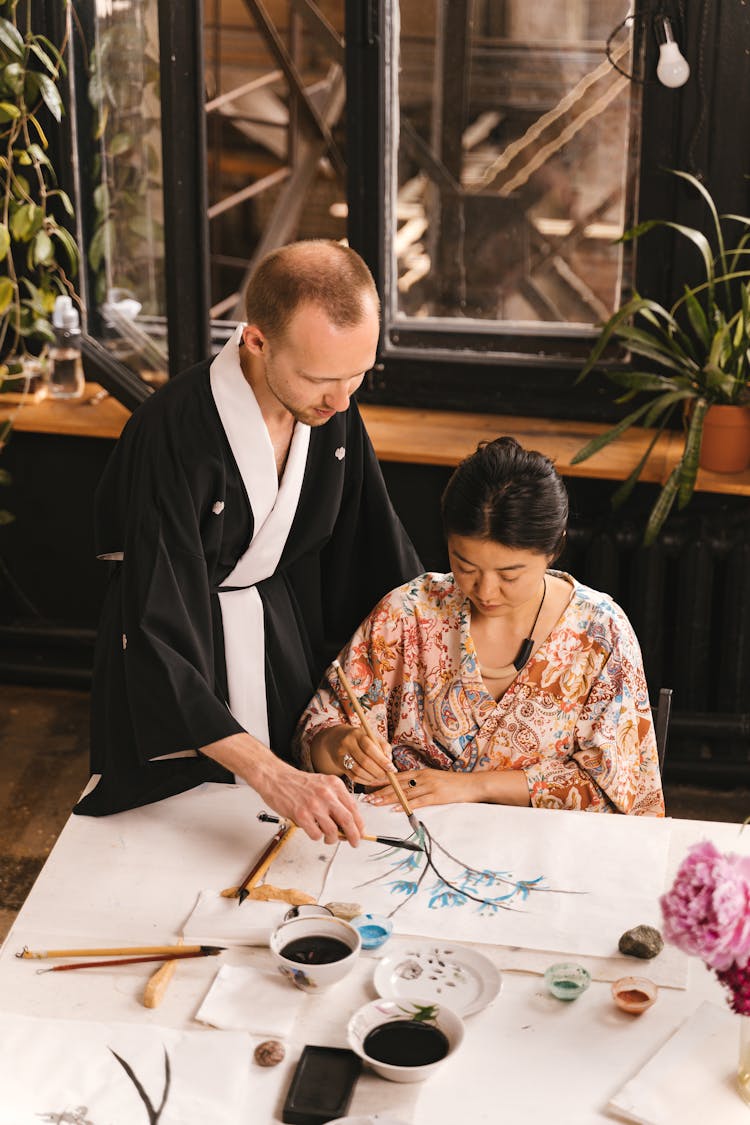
<point x="349" y="762"/>
<point x="412" y="782"/>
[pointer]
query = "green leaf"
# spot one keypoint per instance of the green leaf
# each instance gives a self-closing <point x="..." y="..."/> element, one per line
<point x="644" y="381"/>
<point x="697" y="318"/>
<point x="9" y="112"/>
<point x="101" y="198"/>
<point x="64" y="199"/>
<point x="44" y="58"/>
<point x="26" y="221"/>
<point x="623" y="492"/>
<point x="689" y="463"/>
<point x="69" y="245"/>
<point x="13" y="77"/>
<point x="121" y="143"/>
<point x="10" y="37"/>
<point x="50" y="96"/>
<point x="4" y="241"/>
<point x="601" y="440"/>
<point x="37" y="153"/>
<point x="7" y="292"/>
<point x="662" y="507"/>
<point x="43" y="248"/>
<point x="661" y="404"/>
<point x="635" y="305"/>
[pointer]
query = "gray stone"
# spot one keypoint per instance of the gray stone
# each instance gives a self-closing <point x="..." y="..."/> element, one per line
<point x="642" y="941"/>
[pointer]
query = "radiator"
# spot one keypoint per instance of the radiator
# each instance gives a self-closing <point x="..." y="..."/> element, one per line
<point x="688" y="598"/>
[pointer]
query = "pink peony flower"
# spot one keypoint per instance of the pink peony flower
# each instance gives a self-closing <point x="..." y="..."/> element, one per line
<point x="707" y="911"/>
<point x="737" y="983"/>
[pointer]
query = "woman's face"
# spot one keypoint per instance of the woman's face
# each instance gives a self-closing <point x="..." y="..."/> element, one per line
<point x="497" y="580"/>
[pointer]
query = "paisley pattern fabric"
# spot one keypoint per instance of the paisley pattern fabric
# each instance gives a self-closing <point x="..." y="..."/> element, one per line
<point x="576" y="719"/>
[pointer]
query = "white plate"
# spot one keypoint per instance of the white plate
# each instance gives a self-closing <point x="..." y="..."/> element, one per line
<point x="368" y="1119"/>
<point x="461" y="978"/>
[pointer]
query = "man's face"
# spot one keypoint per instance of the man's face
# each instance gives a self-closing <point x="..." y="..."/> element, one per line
<point x="316" y="367"/>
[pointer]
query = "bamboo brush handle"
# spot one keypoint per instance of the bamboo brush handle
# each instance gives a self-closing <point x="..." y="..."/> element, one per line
<point x="153" y="993"/>
<point x="268" y="859"/>
<point x="395" y="786"/>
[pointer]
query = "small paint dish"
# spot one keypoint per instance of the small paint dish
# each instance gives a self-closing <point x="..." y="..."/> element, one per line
<point x="566" y="980"/>
<point x="374" y="929"/>
<point x="634" y="994"/>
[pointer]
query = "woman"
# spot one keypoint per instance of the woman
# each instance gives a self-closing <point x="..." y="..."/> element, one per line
<point x="502" y="681"/>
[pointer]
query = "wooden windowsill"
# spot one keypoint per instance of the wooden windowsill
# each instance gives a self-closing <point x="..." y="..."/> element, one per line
<point x="428" y="437"/>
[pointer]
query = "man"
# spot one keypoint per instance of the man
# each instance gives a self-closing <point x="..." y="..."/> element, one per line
<point x="250" y="530"/>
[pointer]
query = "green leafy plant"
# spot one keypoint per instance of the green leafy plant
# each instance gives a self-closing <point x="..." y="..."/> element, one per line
<point x="37" y="252"/>
<point x="696" y="352"/>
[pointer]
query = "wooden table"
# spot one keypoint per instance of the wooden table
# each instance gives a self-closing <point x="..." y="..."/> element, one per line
<point x="429" y="437"/>
<point x="133" y="878"/>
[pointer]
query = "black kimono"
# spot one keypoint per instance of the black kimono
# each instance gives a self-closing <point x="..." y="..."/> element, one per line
<point x="173" y="509"/>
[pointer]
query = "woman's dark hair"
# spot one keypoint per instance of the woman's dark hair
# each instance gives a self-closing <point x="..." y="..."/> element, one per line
<point x="509" y="495"/>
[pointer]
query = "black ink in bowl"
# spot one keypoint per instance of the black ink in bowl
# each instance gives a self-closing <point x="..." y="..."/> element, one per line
<point x="315" y="949"/>
<point x="406" y="1043"/>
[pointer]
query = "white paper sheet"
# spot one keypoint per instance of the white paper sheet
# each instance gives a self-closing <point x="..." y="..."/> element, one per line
<point x="65" y="1071"/>
<point x="690" y="1080"/>
<point x="618" y="883"/>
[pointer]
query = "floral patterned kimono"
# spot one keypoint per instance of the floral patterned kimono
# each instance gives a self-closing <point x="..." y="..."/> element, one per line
<point x="576" y="719"/>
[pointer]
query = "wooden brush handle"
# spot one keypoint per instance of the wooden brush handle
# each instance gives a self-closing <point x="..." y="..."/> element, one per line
<point x="394" y="783"/>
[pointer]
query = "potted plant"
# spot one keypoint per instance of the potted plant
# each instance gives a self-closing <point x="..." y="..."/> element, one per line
<point x="36" y="249"/>
<point x="696" y="353"/>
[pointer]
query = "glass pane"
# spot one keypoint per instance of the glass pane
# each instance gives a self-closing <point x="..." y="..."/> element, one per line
<point x="126" y="253"/>
<point x="510" y="164"/>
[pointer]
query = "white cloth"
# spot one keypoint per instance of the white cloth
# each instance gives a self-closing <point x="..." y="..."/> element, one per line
<point x="246" y="999"/>
<point x="274" y="506"/>
<point x="690" y="1080"/>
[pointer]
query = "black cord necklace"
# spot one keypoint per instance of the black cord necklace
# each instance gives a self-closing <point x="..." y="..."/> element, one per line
<point x="524" y="652"/>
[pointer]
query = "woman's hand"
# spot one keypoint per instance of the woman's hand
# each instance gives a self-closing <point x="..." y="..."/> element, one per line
<point x="430" y="787"/>
<point x="347" y="751"/>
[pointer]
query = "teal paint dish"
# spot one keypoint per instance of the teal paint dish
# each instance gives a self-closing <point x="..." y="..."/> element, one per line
<point x="566" y="980"/>
<point x="374" y="930"/>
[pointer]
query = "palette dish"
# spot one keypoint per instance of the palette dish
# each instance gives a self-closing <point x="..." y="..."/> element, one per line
<point x="452" y="974"/>
<point x="368" y="1119"/>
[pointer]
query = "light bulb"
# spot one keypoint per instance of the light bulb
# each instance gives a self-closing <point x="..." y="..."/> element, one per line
<point x="673" y="68"/>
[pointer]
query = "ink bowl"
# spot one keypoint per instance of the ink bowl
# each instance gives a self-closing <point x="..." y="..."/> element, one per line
<point x="419" y="1034"/>
<point x="634" y="994"/>
<point x="315" y="952"/>
<point x="567" y="980"/>
<point x="374" y="929"/>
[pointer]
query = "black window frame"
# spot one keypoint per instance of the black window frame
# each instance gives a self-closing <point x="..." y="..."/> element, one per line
<point x="688" y="128"/>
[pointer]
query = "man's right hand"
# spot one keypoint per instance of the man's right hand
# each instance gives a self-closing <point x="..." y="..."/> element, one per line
<point x="320" y="805"/>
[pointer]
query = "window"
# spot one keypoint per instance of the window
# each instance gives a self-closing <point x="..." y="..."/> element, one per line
<point x="511" y="152"/>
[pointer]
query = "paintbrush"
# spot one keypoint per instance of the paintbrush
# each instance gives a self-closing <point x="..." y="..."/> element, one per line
<point x="124" y="951"/>
<point x="395" y="786"/>
<point x="391" y="841"/>
<point x="209" y="951"/>
<point x="259" y="868"/>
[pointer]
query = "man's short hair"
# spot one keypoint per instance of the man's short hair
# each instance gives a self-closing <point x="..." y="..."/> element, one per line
<point x="316" y="271"/>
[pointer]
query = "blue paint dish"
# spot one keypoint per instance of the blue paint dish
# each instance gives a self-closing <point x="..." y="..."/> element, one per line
<point x="374" y="930"/>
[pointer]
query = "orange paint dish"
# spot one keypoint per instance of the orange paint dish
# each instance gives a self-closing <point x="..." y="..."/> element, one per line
<point x="634" y="994"/>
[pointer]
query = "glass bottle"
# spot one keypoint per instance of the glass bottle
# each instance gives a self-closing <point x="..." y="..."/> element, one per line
<point x="66" y="373"/>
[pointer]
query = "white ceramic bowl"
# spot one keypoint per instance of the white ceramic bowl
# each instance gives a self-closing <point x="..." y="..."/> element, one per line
<point x="378" y="1012"/>
<point x="309" y="977"/>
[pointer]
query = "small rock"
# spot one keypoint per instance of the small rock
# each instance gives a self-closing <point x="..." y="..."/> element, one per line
<point x="269" y="1053"/>
<point x="642" y="941"/>
<point x="345" y="910"/>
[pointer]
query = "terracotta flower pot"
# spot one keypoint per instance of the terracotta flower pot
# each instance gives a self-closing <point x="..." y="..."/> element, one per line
<point x="725" y="447"/>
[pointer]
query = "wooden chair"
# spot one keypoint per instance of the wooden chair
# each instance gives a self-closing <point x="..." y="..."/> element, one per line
<point x="661" y="715"/>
